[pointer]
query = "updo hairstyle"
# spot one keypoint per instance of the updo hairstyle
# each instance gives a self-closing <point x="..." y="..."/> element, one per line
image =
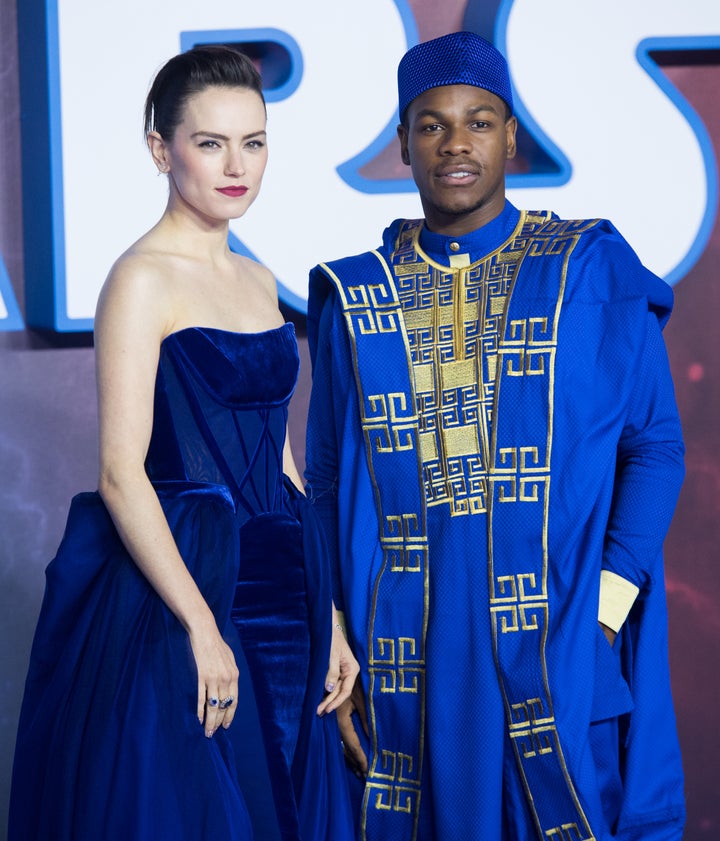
<point x="189" y="73"/>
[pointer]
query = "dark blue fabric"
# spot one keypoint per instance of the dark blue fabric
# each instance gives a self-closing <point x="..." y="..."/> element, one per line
<point x="616" y="472"/>
<point x="109" y="746"/>
<point x="460" y="58"/>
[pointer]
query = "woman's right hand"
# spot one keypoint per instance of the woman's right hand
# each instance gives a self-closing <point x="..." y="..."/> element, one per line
<point x="217" y="678"/>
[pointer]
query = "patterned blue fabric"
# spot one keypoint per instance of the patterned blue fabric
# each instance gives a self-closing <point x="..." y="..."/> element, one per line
<point x="600" y="737"/>
<point x="460" y="58"/>
<point x="109" y="746"/>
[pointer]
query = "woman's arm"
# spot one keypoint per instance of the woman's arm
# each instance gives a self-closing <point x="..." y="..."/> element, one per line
<point x="130" y="324"/>
<point x="343" y="668"/>
<point x="289" y="466"/>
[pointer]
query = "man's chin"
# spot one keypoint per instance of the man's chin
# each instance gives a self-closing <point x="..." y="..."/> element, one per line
<point x="457" y="211"/>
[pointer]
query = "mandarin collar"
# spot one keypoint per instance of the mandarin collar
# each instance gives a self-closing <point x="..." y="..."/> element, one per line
<point x="477" y="243"/>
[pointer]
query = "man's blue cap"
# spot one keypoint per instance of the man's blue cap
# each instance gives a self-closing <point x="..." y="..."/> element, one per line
<point x="460" y="58"/>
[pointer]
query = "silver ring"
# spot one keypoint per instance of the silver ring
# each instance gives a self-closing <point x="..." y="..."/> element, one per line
<point x="213" y="702"/>
<point x="226" y="702"/>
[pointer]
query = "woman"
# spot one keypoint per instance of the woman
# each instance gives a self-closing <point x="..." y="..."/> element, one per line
<point x="133" y="681"/>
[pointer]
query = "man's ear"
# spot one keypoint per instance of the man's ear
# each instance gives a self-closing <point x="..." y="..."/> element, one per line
<point x="510" y="137"/>
<point x="403" y="137"/>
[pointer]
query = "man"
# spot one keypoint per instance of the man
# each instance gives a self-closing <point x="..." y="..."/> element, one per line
<point x="495" y="450"/>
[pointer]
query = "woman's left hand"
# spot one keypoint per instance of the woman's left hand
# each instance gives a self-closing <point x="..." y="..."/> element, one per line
<point x="342" y="671"/>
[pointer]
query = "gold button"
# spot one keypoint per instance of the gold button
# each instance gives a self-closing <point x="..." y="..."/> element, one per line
<point x="454" y="246"/>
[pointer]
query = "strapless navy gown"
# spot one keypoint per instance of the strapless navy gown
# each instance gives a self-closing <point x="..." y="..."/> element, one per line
<point x="109" y="746"/>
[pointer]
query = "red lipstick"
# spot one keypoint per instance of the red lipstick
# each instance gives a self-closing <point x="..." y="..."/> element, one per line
<point x="233" y="192"/>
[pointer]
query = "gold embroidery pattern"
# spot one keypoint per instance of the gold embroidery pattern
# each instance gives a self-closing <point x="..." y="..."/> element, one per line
<point x="396" y="660"/>
<point x="401" y="791"/>
<point x="521" y="474"/>
<point x="372" y="309"/>
<point x="462" y="353"/>
<point x="519" y="603"/>
<point x="530" y="348"/>
<point x="389" y="422"/>
<point x="404" y="545"/>
<point x="397" y="665"/>
<point x="533" y="728"/>
<point x="393" y="782"/>
<point x="393" y="798"/>
<point x="454" y="323"/>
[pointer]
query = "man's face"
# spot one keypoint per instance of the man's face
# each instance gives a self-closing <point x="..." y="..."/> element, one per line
<point x="456" y="139"/>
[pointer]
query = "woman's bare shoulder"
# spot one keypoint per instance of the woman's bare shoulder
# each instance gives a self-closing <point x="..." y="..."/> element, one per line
<point x="138" y="289"/>
<point x="145" y="259"/>
<point x="257" y="273"/>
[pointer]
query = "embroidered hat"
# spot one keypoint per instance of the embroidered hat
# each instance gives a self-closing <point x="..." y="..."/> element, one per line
<point x="460" y="58"/>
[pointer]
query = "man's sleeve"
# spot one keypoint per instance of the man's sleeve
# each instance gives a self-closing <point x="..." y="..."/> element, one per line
<point x="649" y="469"/>
<point x="321" y="455"/>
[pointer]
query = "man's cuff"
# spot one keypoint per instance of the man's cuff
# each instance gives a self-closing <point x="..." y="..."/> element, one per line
<point x="617" y="596"/>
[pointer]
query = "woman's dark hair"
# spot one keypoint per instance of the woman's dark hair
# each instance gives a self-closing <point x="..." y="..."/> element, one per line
<point x="189" y="73"/>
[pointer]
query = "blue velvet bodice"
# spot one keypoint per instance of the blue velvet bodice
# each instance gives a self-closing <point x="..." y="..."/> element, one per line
<point x="221" y="403"/>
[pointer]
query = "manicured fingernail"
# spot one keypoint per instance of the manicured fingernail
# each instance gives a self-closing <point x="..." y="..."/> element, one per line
<point x="329" y="687"/>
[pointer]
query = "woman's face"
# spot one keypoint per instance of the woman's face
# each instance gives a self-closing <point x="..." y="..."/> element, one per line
<point x="217" y="156"/>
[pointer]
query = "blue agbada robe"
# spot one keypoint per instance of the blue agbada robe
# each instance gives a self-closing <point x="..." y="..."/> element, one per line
<point x="497" y="708"/>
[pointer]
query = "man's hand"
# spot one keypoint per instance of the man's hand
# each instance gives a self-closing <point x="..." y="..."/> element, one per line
<point x="354" y="754"/>
<point x="609" y="633"/>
